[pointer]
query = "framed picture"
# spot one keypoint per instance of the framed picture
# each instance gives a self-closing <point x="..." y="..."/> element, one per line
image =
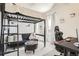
<point x="62" y="20"/>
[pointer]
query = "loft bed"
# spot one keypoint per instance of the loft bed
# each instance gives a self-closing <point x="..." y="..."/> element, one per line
<point x="22" y="18"/>
<point x="18" y="17"/>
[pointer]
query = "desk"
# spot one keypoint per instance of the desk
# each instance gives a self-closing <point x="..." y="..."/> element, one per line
<point x="68" y="46"/>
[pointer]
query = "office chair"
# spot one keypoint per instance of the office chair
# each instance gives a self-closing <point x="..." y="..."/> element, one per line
<point x="58" y="37"/>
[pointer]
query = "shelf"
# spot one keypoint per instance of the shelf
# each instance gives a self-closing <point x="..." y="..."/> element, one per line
<point x="10" y="51"/>
<point x="16" y="42"/>
<point x="10" y="25"/>
<point x="17" y="33"/>
<point x="40" y="34"/>
<point x="11" y="33"/>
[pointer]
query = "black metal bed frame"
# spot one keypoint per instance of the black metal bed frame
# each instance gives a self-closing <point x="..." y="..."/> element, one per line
<point x="19" y="18"/>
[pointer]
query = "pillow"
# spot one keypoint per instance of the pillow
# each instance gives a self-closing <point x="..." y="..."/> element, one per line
<point x="20" y="37"/>
<point x="32" y="36"/>
<point x="11" y="39"/>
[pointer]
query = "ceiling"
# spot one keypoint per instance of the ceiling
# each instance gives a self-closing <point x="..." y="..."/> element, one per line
<point x="40" y="7"/>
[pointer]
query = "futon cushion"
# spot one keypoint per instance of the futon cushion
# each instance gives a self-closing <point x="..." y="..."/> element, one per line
<point x="32" y="36"/>
<point x="11" y="38"/>
<point x="25" y="37"/>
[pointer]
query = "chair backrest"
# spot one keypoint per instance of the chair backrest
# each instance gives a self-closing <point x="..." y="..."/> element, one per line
<point x="56" y="28"/>
<point x="25" y="37"/>
<point x="58" y="34"/>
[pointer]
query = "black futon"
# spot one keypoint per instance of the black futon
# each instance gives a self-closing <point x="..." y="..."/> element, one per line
<point x="25" y="37"/>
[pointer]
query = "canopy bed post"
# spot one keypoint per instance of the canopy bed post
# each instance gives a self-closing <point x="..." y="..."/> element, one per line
<point x="8" y="19"/>
<point x="44" y="33"/>
<point x="17" y="36"/>
<point x="17" y="41"/>
<point x="34" y="27"/>
<point x="2" y="9"/>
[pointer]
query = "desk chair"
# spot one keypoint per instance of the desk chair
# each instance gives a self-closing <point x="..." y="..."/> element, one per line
<point x="58" y="37"/>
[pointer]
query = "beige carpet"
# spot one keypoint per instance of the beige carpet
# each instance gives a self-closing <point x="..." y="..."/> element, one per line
<point x="49" y="50"/>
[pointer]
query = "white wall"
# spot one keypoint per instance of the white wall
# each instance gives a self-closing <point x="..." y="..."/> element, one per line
<point x="26" y="27"/>
<point x="40" y="28"/>
<point x="69" y="25"/>
<point x="23" y="27"/>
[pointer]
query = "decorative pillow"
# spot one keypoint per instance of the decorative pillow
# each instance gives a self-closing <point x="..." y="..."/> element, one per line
<point x="11" y="38"/>
<point x="32" y="36"/>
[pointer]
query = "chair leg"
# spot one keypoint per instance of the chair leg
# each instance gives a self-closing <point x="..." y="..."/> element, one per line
<point x="33" y="51"/>
<point x="65" y="52"/>
<point x="25" y="50"/>
<point x="60" y="53"/>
